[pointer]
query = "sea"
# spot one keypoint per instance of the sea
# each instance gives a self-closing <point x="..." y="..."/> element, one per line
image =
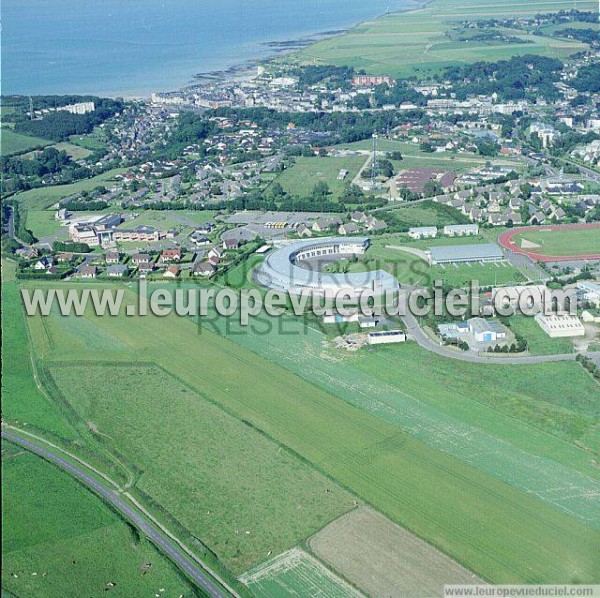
<point x="131" y="48"/>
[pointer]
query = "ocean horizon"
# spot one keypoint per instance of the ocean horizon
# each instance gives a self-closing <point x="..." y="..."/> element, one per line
<point x="135" y="47"/>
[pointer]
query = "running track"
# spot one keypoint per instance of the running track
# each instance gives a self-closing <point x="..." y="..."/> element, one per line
<point x="506" y="240"/>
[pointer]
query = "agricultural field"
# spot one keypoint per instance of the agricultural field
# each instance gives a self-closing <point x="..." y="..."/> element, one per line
<point x="22" y="400"/>
<point x="307" y="172"/>
<point x="423" y="214"/>
<point x="60" y="540"/>
<point x="485" y="463"/>
<point x="493" y="431"/>
<point x="16" y="143"/>
<point x="92" y="142"/>
<point x="251" y="496"/>
<point x="296" y="573"/>
<point x="40" y="199"/>
<point x="563" y="242"/>
<point x="419" y="37"/>
<point x="383" y="559"/>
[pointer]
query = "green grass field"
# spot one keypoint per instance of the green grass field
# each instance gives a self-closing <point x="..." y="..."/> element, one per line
<point x="413" y="157"/>
<point x="60" y="540"/>
<point x="296" y="573"/>
<point x="561" y="242"/>
<point x="40" y="199"/>
<point x="75" y="152"/>
<point x="21" y="398"/>
<point x="324" y="410"/>
<point x="307" y="172"/>
<point x="16" y="143"/>
<point x="539" y="343"/>
<point x="401" y="44"/>
<point x="386" y="253"/>
<point x="250" y="496"/>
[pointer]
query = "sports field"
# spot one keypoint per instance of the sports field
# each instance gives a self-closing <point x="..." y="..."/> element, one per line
<point x="307" y="172"/>
<point x="452" y="434"/>
<point x="419" y="37"/>
<point x="413" y="157"/>
<point x="390" y="254"/>
<point x="561" y="241"/>
<point x="15" y="143"/>
<point x="296" y="573"/>
<point x="383" y="559"/>
<point x="60" y="540"/>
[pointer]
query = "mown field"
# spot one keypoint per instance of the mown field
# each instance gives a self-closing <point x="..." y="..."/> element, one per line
<point x="419" y="38"/>
<point x="219" y="477"/>
<point x="307" y="172"/>
<point x="296" y="573"/>
<point x="21" y="398"/>
<point x="15" y="143"/>
<point x="382" y="559"/>
<point x="561" y="242"/>
<point x="59" y="540"/>
<point x="477" y="482"/>
<point x="413" y="157"/>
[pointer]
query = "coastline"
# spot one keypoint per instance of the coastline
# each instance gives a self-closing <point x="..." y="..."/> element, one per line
<point x="260" y="52"/>
<point x="245" y="70"/>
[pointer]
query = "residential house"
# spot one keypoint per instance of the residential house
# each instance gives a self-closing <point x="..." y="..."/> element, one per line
<point x="87" y="271"/>
<point x="172" y="272"/>
<point x="112" y="257"/>
<point x="117" y="270"/>
<point x="349" y="228"/>
<point x="171" y="255"/>
<point x="203" y="269"/>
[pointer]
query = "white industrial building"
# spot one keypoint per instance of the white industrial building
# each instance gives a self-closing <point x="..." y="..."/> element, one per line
<point x="589" y="291"/>
<point x="463" y="254"/>
<point x="386" y="337"/>
<point x="461" y="230"/>
<point x="557" y="326"/>
<point x="423" y="232"/>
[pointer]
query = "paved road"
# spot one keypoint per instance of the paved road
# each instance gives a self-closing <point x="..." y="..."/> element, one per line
<point x="416" y="333"/>
<point x="157" y="536"/>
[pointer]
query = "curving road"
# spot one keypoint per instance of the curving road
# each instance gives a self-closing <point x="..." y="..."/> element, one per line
<point x="157" y="536"/>
<point x="416" y="333"/>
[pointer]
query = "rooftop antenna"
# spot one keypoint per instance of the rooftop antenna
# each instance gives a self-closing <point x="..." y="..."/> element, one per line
<point x="374" y="165"/>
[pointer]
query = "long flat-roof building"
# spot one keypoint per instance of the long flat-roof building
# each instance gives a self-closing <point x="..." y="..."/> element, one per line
<point x="557" y="326"/>
<point x="461" y="230"/>
<point x="295" y="268"/>
<point x="462" y="254"/>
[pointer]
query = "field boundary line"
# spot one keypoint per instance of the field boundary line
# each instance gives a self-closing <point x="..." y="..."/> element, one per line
<point x="123" y="492"/>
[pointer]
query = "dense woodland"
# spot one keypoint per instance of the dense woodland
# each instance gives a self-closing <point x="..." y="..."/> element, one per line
<point x="522" y="77"/>
<point x="58" y="125"/>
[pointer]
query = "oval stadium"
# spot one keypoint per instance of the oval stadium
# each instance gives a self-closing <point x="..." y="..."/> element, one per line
<point x="296" y="268"/>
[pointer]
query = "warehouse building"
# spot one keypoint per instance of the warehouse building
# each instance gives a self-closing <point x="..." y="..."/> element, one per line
<point x="461" y="230"/>
<point x="559" y="326"/>
<point x="463" y="254"/>
<point x="386" y="337"/>
<point x="423" y="232"/>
